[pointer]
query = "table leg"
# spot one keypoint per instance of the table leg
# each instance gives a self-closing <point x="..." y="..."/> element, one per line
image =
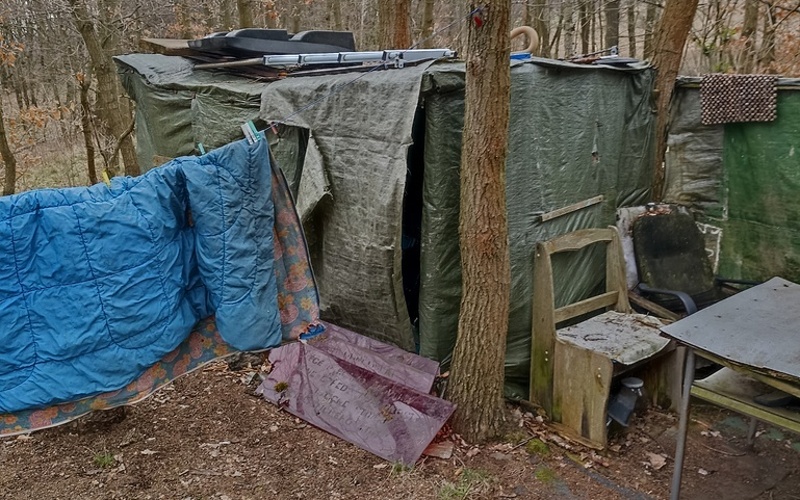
<point x="751" y="433"/>
<point x="683" y="426"/>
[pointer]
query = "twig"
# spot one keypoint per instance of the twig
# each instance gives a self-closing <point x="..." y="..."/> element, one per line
<point x="122" y="138"/>
<point x="523" y="443"/>
<point x="728" y="453"/>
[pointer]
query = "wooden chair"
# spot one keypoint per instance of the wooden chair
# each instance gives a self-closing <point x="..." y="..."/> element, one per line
<point x="573" y="368"/>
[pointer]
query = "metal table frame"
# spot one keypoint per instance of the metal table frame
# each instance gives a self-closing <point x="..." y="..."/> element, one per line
<point x="688" y="332"/>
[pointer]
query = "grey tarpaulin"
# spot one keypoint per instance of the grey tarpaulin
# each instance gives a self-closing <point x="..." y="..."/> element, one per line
<point x="362" y="133"/>
<point x="694" y="155"/>
<point x="576" y="132"/>
<point x="176" y="108"/>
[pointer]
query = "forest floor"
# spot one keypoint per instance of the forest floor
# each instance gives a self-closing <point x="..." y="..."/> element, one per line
<point x="207" y="436"/>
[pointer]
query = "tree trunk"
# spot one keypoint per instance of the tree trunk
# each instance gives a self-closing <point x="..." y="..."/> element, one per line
<point x="632" y="28"/>
<point x="649" y="26"/>
<point x="477" y="371"/>
<point x="225" y="15"/>
<point x="184" y="18"/>
<point x="612" y="23"/>
<point x="427" y="24"/>
<point x="402" y="24"/>
<point x="671" y="33"/>
<point x="385" y="20"/>
<point x="245" y="11"/>
<point x="567" y="11"/>
<point x="86" y="125"/>
<point x="335" y="7"/>
<point x="585" y="22"/>
<point x="295" y="17"/>
<point x="7" y="156"/>
<point x="749" y="35"/>
<point x="394" y="19"/>
<point x="536" y="17"/>
<point x="766" y="55"/>
<point x="111" y="112"/>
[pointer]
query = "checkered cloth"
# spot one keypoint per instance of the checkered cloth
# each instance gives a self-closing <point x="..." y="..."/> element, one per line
<point x="738" y="98"/>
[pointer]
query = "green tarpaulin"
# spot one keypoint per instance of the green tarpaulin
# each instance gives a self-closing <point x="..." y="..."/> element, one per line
<point x="575" y="133"/>
<point x="742" y="178"/>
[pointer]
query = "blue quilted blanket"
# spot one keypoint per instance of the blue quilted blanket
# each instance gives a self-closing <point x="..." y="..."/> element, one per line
<point x="97" y="284"/>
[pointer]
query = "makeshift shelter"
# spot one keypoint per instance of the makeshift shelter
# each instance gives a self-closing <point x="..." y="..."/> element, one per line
<point x="742" y="180"/>
<point x="374" y="161"/>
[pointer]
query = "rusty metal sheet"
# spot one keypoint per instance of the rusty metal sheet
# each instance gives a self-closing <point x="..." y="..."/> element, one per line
<point x="373" y="412"/>
<point x="759" y="327"/>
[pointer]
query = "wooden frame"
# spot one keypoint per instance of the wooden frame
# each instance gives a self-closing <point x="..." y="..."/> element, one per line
<point x="571" y="382"/>
<point x="546" y="316"/>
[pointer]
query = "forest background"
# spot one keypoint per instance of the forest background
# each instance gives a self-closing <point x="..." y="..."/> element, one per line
<point x="64" y="117"/>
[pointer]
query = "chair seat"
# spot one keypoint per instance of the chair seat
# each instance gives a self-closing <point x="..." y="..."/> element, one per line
<point x="623" y="338"/>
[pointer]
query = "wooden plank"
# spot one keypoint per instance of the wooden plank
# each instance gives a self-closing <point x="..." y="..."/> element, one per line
<point x="166" y="46"/>
<point x="652" y="307"/>
<point x="582" y="385"/>
<point x="615" y="272"/>
<point x="576" y="240"/>
<point x="570" y="435"/>
<point x="663" y="377"/>
<point x="775" y="416"/>
<point x="572" y="208"/>
<point x="543" y="331"/>
<point x="585" y="306"/>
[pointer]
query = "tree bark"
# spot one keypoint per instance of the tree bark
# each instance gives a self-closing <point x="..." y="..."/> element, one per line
<point x="245" y="10"/>
<point x="183" y="13"/>
<point x="649" y="26"/>
<point x="766" y="55"/>
<point x="536" y="17"/>
<point x="427" y="24"/>
<point x="225" y="15"/>
<point x="477" y="372"/>
<point x="749" y="35"/>
<point x="567" y="11"/>
<point x="631" y="14"/>
<point x="402" y="24"/>
<point x="671" y="33"/>
<point x="335" y="7"/>
<point x="394" y="18"/>
<point x="585" y="22"/>
<point x="86" y="126"/>
<point x="612" y="23"/>
<point x="9" y="161"/>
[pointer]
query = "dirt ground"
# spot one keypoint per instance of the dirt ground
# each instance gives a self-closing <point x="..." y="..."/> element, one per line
<point x="206" y="436"/>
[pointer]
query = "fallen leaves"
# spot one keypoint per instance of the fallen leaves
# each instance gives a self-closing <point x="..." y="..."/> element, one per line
<point x="656" y="460"/>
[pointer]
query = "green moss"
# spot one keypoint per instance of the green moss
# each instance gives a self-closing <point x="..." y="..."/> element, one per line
<point x="537" y="447"/>
<point x="545" y="475"/>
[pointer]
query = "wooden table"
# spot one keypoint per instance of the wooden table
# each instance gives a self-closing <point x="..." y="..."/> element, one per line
<point x="755" y="336"/>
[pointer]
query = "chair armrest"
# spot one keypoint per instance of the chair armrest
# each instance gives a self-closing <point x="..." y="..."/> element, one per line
<point x="686" y="300"/>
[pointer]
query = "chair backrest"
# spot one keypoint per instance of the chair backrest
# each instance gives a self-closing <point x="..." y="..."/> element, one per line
<point x="671" y="254"/>
<point x="546" y="316"/>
